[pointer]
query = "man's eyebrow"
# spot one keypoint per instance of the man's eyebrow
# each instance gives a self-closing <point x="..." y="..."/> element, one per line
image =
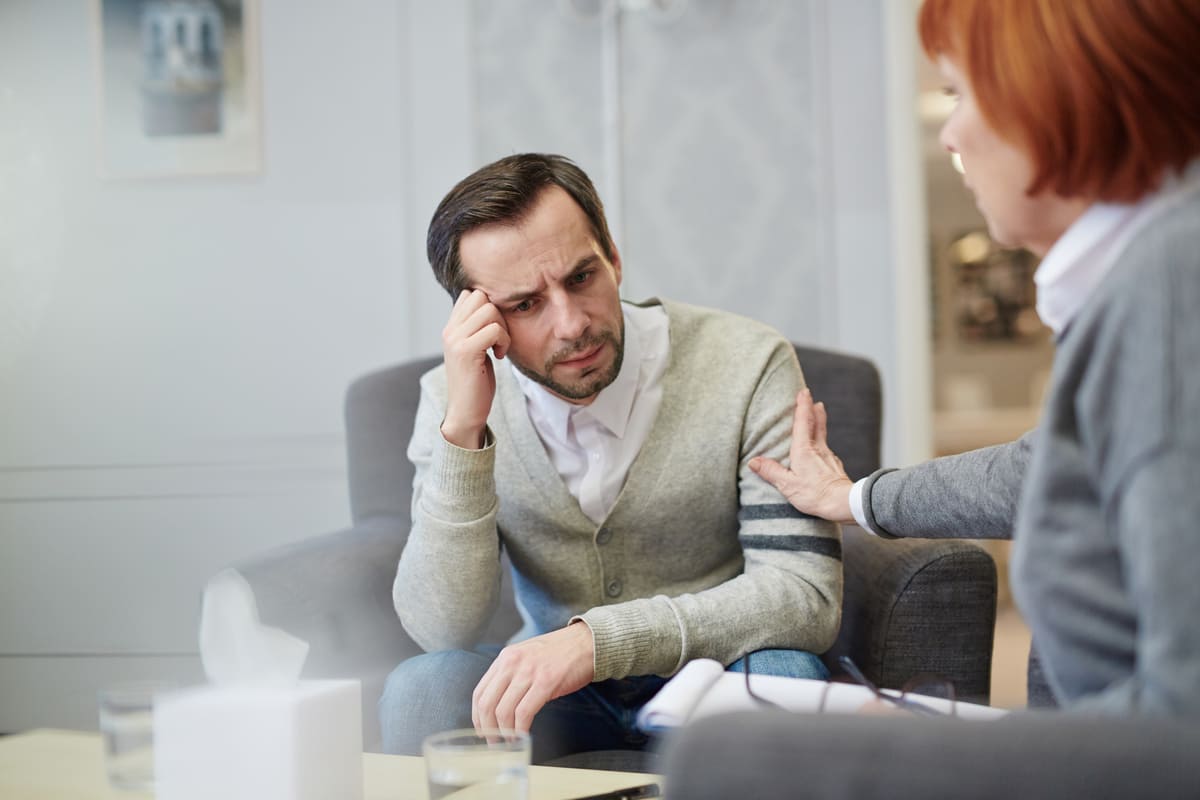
<point x="584" y="263"/>
<point x="516" y="297"/>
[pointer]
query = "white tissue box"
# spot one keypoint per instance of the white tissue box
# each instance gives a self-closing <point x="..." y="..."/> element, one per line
<point x="297" y="742"/>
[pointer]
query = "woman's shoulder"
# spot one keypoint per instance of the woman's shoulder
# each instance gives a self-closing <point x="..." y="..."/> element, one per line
<point x="1155" y="281"/>
<point x="1165" y="250"/>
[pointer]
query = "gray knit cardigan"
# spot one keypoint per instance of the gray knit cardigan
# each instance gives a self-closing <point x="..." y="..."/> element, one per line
<point x="698" y="558"/>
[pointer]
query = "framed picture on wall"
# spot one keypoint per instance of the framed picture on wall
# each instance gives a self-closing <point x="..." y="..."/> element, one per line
<point x="178" y="87"/>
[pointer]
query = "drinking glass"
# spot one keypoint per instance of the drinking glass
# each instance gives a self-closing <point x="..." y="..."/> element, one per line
<point x="478" y="764"/>
<point x="127" y="728"/>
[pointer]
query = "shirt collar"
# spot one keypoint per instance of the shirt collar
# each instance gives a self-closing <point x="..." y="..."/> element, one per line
<point x="1082" y="256"/>
<point x="612" y="405"/>
<point x="1077" y="262"/>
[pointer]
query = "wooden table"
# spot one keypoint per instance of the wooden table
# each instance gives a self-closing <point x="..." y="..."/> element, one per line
<point x="68" y="765"/>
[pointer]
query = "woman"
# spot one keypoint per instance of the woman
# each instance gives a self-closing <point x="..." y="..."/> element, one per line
<point x="1078" y="126"/>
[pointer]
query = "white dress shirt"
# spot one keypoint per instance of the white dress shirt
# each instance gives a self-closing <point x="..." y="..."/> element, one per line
<point x="594" y="446"/>
<point x="1080" y="259"/>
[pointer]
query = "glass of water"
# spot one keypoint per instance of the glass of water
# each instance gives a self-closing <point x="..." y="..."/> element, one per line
<point x="466" y="763"/>
<point x="127" y="728"/>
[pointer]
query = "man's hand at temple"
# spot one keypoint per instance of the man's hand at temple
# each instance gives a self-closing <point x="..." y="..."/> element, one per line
<point x="475" y="326"/>
<point x="529" y="674"/>
<point x="815" y="482"/>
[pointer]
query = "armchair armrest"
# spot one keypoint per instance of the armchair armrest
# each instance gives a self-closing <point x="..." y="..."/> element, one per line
<point x="335" y="592"/>
<point x="915" y="606"/>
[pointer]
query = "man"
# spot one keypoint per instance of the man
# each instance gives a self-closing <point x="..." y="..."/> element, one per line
<point x="609" y="458"/>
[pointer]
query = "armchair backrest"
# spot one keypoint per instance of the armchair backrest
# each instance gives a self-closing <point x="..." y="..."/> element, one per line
<point x="380" y="410"/>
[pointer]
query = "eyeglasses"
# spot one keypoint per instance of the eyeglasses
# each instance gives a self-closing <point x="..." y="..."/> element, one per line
<point x="757" y="698"/>
<point x="922" y="685"/>
<point x="932" y="687"/>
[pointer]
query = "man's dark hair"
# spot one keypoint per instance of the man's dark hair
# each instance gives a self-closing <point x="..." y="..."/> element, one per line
<point x="504" y="191"/>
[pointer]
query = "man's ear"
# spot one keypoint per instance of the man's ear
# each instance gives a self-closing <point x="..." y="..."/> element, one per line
<point x="616" y="263"/>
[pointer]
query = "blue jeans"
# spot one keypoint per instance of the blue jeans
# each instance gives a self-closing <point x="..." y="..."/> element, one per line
<point x="432" y="692"/>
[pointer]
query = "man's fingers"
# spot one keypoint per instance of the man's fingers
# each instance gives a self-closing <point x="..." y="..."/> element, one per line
<point x="515" y="710"/>
<point x="527" y="675"/>
<point x="533" y="702"/>
<point x="506" y="708"/>
<point x="499" y="693"/>
<point x="476" y="716"/>
<point x="466" y="304"/>
<point x="462" y="333"/>
<point x="483" y="316"/>
<point x="483" y="718"/>
<point x="484" y="699"/>
<point x="491" y="335"/>
<point x="500" y="348"/>
<point x="470" y="313"/>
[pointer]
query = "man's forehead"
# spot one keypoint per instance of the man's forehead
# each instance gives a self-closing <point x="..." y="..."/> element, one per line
<point x="491" y="243"/>
<point x="518" y="256"/>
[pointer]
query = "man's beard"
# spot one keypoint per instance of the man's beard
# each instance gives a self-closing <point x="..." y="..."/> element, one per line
<point x="589" y="384"/>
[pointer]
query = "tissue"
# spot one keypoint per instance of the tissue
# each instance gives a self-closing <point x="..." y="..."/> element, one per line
<point x="238" y="650"/>
<point x="257" y="730"/>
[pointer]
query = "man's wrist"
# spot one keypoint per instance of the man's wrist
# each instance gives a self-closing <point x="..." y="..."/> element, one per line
<point x="586" y="637"/>
<point x="468" y="438"/>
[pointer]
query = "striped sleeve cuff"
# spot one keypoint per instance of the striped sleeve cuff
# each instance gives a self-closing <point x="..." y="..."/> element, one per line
<point x="784" y="535"/>
<point x="792" y="543"/>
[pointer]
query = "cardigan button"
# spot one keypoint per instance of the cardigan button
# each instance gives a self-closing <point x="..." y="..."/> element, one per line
<point x="614" y="587"/>
<point x="604" y="536"/>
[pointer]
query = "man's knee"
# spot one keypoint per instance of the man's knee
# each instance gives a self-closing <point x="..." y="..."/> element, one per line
<point x="443" y="672"/>
<point x="426" y="694"/>
<point x="785" y="663"/>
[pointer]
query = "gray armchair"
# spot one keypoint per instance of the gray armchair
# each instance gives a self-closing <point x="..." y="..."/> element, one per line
<point x="910" y="606"/>
<point x="1034" y="755"/>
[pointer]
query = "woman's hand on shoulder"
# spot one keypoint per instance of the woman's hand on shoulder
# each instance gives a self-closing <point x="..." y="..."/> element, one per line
<point x="815" y="481"/>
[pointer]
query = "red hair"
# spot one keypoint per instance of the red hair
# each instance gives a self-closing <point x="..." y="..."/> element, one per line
<point x="1104" y="95"/>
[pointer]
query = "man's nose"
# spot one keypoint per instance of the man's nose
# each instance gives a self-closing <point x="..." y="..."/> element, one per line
<point x="570" y="320"/>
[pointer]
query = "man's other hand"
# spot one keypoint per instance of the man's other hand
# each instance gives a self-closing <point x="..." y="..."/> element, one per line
<point x="475" y="325"/>
<point x="815" y="481"/>
<point x="529" y="674"/>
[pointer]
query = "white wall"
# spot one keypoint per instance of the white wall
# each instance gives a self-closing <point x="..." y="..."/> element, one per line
<point x="767" y="159"/>
<point x="879" y="254"/>
<point x="173" y="353"/>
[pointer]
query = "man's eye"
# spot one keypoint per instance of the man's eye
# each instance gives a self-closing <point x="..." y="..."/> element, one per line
<point x="581" y="277"/>
<point x="524" y="305"/>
